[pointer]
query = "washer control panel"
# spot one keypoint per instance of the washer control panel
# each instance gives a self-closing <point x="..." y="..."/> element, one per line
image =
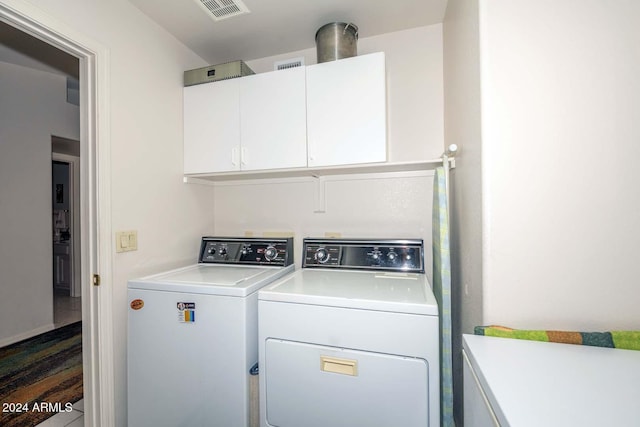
<point x="248" y="250"/>
<point x="393" y="255"/>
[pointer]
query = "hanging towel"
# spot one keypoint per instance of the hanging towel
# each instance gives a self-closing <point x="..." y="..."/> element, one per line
<point x="629" y="340"/>
<point x="442" y="291"/>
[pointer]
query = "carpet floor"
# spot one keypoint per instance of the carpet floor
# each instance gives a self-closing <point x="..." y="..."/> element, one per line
<point x="41" y="376"/>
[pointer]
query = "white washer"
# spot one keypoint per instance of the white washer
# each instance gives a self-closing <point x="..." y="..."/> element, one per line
<point x="193" y="334"/>
<point x="351" y="339"/>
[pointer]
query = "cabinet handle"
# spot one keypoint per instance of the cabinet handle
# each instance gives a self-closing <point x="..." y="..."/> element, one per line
<point x="243" y="156"/>
<point x="234" y="156"/>
<point x="339" y="365"/>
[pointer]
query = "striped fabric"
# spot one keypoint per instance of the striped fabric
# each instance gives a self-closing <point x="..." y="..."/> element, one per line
<point x="442" y="291"/>
<point x="41" y="376"/>
<point x="629" y="340"/>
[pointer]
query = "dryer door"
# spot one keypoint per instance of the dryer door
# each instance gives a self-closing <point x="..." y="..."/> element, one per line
<point x="318" y="386"/>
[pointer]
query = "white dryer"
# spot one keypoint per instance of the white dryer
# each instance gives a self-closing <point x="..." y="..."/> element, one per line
<point x="193" y="334"/>
<point x="351" y="339"/>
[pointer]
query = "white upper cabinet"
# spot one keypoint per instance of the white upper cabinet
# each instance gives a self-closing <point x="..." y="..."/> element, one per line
<point x="346" y="111"/>
<point x="327" y="114"/>
<point x="212" y="127"/>
<point x="251" y="123"/>
<point x="273" y="120"/>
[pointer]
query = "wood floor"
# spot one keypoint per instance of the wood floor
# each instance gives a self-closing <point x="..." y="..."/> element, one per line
<point x="66" y="310"/>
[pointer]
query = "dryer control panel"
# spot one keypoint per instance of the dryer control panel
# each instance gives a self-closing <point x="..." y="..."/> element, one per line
<point x="390" y="255"/>
<point x="247" y="250"/>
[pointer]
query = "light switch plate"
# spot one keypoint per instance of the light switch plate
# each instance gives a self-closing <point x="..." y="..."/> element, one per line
<point x="126" y="241"/>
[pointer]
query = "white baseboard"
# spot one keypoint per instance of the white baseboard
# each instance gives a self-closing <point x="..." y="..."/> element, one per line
<point x="26" y="335"/>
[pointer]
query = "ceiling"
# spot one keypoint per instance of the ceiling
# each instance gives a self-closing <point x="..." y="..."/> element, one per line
<point x="272" y="27"/>
<point x="279" y="26"/>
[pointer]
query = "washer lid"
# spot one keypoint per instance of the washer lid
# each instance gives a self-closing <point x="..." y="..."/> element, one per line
<point x="383" y="291"/>
<point x="212" y="279"/>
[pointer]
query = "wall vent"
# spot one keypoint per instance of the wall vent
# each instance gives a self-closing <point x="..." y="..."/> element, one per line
<point x="288" y="63"/>
<point x="223" y="9"/>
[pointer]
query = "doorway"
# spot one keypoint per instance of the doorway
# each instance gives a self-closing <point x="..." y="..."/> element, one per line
<point x="66" y="238"/>
<point x="95" y="215"/>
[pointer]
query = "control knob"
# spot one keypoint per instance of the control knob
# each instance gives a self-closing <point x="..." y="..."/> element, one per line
<point x="270" y="253"/>
<point x="222" y="251"/>
<point x="391" y="256"/>
<point x="322" y="255"/>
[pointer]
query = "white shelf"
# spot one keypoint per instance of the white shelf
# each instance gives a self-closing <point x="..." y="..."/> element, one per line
<point x="315" y="172"/>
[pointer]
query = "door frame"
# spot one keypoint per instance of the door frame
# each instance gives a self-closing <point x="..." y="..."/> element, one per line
<point x="95" y="213"/>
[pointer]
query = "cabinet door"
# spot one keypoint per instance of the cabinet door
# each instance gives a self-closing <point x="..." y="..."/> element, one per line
<point x="273" y="127"/>
<point x="477" y="410"/>
<point x="346" y="111"/>
<point x="212" y="127"/>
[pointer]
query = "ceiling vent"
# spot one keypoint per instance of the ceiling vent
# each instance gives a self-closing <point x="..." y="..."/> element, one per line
<point x="223" y="9"/>
<point x="288" y="63"/>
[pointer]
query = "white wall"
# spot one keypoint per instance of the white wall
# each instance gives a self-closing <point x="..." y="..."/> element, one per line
<point x="389" y="205"/>
<point x="32" y="108"/>
<point x="147" y="192"/>
<point x="557" y="142"/>
<point x="560" y="102"/>
<point x="462" y="126"/>
<point x="543" y="96"/>
<point x="386" y="206"/>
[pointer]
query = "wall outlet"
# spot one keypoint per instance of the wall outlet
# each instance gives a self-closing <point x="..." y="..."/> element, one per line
<point x="126" y="241"/>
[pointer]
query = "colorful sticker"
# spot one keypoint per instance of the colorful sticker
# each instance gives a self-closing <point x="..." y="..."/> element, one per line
<point x="186" y="312"/>
<point x="137" y="304"/>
